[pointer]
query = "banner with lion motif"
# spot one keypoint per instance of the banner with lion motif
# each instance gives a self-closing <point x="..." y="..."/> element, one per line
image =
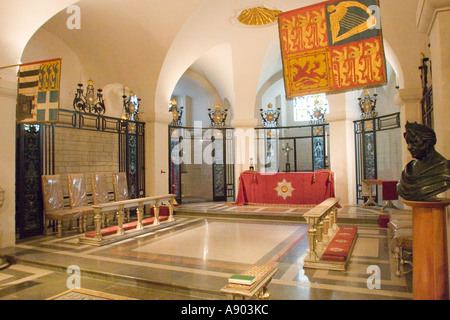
<point x="333" y="46"/>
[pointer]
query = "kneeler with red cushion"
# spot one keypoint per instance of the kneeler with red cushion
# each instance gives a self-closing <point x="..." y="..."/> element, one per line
<point x="340" y="246"/>
<point x="126" y="226"/>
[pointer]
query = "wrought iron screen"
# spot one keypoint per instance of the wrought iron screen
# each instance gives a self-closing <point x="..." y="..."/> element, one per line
<point x="377" y="138"/>
<point x="35" y="156"/>
<point x="293" y="149"/>
<point x="201" y="164"/>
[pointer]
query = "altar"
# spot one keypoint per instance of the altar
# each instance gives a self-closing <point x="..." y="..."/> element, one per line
<point x="285" y="188"/>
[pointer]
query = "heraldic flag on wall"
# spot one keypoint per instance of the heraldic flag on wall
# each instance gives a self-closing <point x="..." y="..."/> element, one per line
<point x="38" y="91"/>
<point x="331" y="47"/>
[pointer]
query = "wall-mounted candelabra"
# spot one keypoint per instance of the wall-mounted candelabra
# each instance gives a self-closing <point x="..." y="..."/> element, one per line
<point x="177" y="112"/>
<point x="89" y="103"/>
<point x="367" y="105"/>
<point x="270" y="116"/>
<point x="131" y="106"/>
<point x="217" y="116"/>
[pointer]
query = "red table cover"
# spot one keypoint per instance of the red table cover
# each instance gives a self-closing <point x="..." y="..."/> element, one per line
<point x="292" y="188"/>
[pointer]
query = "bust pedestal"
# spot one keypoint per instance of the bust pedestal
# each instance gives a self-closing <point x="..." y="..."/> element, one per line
<point x="430" y="255"/>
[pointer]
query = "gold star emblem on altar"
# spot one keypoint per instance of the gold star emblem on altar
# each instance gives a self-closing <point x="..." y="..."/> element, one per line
<point x="284" y="189"/>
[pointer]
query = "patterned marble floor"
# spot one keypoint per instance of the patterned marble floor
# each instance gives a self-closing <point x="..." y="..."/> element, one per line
<point x="193" y="260"/>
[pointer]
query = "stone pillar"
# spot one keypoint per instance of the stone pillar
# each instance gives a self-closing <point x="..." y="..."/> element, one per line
<point x="343" y="111"/>
<point x="440" y="58"/>
<point x="156" y="152"/>
<point x="408" y="100"/>
<point x="8" y="95"/>
<point x="433" y="19"/>
<point x="244" y="146"/>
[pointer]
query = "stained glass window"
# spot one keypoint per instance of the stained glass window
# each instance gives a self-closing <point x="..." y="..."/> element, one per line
<point x="305" y="106"/>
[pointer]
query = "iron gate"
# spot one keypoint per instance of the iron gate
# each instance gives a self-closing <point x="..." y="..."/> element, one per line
<point x="368" y="149"/>
<point x="201" y="164"/>
<point x="293" y="149"/>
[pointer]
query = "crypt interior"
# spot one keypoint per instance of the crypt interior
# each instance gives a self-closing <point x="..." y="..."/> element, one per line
<point x="193" y="108"/>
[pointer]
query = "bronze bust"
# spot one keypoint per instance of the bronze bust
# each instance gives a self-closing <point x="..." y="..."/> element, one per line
<point x="429" y="174"/>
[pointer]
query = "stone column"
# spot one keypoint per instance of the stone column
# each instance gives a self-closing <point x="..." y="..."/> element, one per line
<point x="343" y="111"/>
<point x="408" y="100"/>
<point x="244" y="146"/>
<point x="156" y="152"/>
<point x="433" y="19"/>
<point x="8" y="96"/>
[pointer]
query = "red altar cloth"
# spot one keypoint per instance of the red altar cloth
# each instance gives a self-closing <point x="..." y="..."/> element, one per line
<point x="293" y="188"/>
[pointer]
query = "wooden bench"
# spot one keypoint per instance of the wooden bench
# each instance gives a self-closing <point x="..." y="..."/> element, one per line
<point x="257" y="290"/>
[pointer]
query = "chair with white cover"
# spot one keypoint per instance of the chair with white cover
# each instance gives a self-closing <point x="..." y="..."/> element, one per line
<point x="100" y="194"/>
<point x="120" y="185"/>
<point x="54" y="209"/>
<point x="78" y="196"/>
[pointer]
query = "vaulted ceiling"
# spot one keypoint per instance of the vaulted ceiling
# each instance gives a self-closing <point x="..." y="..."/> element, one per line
<point x="130" y="41"/>
<point x="149" y="44"/>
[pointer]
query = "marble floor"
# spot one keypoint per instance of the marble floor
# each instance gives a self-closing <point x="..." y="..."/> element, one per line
<point x="193" y="259"/>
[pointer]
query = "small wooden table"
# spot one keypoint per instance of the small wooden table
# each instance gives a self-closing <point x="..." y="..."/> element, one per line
<point x="258" y="289"/>
<point x="367" y="191"/>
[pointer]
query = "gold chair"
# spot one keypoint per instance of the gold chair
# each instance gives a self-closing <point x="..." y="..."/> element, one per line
<point x="121" y="189"/>
<point x="54" y="204"/>
<point x="100" y="193"/>
<point x="78" y="196"/>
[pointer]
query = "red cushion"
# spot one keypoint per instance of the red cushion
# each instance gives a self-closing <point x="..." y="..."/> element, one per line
<point x="383" y="220"/>
<point x="147" y="221"/>
<point x="332" y="258"/>
<point x="339" y="247"/>
<point x="335" y="253"/>
<point x="348" y="229"/>
<point x="163" y="211"/>
<point x="389" y="190"/>
<point x="127" y="226"/>
<point x="104" y="232"/>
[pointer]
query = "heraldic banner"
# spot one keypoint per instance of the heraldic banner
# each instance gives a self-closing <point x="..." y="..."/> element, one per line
<point x="331" y="47"/>
<point x="38" y="91"/>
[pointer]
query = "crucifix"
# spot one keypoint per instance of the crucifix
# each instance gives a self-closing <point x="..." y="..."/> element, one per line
<point x="286" y="149"/>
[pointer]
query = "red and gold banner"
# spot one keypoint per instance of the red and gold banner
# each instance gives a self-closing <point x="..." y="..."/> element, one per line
<point x="331" y="47"/>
